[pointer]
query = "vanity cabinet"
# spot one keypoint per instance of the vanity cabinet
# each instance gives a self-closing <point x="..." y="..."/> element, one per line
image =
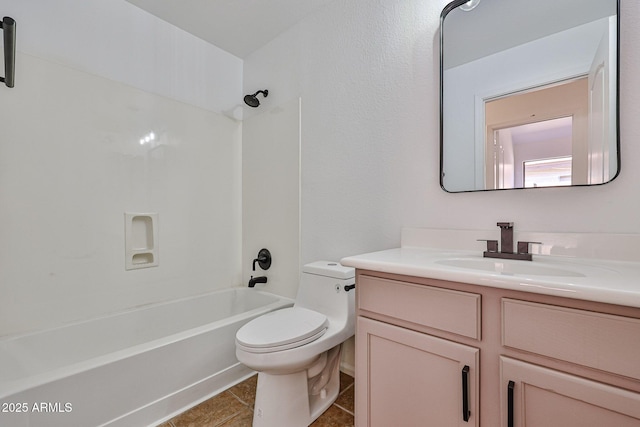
<point x="407" y="377"/>
<point x="438" y="353"/>
<point x="534" y="396"/>
<point x="414" y="379"/>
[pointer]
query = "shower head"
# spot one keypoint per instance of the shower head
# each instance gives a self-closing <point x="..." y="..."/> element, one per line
<point x="252" y="100"/>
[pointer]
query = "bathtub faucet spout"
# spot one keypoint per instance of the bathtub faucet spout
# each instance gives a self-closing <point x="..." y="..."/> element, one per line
<point x="253" y="281"/>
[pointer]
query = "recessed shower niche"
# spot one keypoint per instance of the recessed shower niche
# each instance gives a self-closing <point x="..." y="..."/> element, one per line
<point x="141" y="240"/>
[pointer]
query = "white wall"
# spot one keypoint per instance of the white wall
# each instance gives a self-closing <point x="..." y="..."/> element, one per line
<point x="367" y="71"/>
<point x="71" y="163"/>
<point x="119" y="41"/>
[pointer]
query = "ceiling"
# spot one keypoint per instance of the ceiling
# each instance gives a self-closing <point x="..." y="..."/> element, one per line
<point x="237" y="26"/>
<point x="547" y="130"/>
<point x="497" y="25"/>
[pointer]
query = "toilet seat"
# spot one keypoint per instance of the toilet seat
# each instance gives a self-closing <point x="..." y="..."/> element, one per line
<point x="281" y="330"/>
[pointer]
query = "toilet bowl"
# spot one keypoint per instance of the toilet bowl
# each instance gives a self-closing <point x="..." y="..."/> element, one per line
<point x="296" y="350"/>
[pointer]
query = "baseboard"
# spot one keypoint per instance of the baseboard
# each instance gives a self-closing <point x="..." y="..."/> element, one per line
<point x="348" y="369"/>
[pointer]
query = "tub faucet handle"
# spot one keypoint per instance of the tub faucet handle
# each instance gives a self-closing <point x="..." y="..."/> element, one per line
<point x="263" y="260"/>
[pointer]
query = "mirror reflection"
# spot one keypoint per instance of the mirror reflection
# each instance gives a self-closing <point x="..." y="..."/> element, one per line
<point x="528" y="93"/>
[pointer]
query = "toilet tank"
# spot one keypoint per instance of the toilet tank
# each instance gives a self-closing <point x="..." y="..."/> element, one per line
<point x="322" y="286"/>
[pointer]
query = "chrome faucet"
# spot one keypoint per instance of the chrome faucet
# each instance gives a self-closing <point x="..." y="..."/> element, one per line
<point x="506" y="245"/>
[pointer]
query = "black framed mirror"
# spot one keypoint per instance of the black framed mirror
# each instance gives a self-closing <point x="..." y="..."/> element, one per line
<point x="529" y="94"/>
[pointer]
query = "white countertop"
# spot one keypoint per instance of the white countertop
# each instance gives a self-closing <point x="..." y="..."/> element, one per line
<point x="614" y="282"/>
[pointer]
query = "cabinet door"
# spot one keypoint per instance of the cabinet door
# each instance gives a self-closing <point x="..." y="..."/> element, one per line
<point x="533" y="396"/>
<point x="406" y="378"/>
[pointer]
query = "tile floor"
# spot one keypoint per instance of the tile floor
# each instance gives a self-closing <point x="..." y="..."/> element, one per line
<point x="234" y="408"/>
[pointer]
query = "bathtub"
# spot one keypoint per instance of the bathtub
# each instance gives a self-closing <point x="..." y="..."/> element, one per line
<point x="134" y="368"/>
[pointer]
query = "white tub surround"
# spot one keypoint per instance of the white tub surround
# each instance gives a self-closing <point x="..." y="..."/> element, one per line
<point x="137" y="367"/>
<point x="456" y="255"/>
<point x="68" y="181"/>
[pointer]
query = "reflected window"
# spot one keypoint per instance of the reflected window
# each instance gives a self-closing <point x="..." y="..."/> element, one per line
<point x="531" y="144"/>
<point x="547" y="172"/>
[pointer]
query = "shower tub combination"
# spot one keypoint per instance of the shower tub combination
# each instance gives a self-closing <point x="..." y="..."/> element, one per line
<point x="137" y="367"/>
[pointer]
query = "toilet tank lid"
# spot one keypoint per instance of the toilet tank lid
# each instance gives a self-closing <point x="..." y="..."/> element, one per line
<point x="329" y="269"/>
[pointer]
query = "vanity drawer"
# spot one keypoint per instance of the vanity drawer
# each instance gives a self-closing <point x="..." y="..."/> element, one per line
<point x="447" y="310"/>
<point x="601" y="341"/>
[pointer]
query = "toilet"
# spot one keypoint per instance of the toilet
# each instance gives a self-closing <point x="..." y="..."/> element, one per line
<point x="296" y="350"/>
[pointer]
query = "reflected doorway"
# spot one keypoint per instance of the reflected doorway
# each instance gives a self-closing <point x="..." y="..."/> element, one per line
<point x="533" y="155"/>
<point x="542" y="123"/>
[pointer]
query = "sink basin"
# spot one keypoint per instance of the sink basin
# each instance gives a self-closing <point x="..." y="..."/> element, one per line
<point x="508" y="267"/>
